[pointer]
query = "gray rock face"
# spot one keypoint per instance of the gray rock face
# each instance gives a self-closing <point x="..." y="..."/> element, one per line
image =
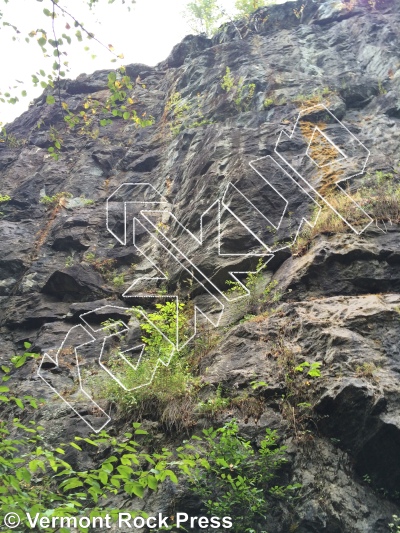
<point x="356" y="340"/>
<point x="340" y="299"/>
<point x="344" y="264"/>
<point x="76" y="283"/>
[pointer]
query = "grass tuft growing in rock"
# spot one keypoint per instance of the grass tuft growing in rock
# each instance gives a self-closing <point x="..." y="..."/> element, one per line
<point x="379" y="196"/>
<point x="160" y="382"/>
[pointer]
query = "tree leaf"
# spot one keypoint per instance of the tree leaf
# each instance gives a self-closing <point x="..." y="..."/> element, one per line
<point x="152" y="482"/>
<point x="115" y="482"/>
<point x="112" y="77"/>
<point x="103" y="477"/>
<point x="171" y="476"/>
<point x="71" y="484"/>
<point x="133" y="487"/>
<point x="18" y="360"/>
<point x="19" y="403"/>
<point x="140" y="432"/>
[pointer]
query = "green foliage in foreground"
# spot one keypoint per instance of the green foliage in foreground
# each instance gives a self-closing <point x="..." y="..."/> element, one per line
<point x="395" y="524"/>
<point x="35" y="478"/>
<point x="232" y="478"/>
<point x="224" y="470"/>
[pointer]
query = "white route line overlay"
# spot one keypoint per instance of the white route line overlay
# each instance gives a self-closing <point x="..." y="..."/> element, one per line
<point x="184" y="259"/>
<point x="321" y="107"/>
<point x="47" y="358"/>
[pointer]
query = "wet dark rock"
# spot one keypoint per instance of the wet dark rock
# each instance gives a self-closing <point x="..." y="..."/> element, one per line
<point x="85" y="84"/>
<point x="77" y="283"/>
<point x="108" y="156"/>
<point x="32" y="311"/>
<point x="344" y="264"/>
<point x="99" y="309"/>
<point x="188" y="48"/>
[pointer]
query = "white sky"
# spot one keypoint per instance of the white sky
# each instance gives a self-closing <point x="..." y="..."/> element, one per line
<point x="146" y="34"/>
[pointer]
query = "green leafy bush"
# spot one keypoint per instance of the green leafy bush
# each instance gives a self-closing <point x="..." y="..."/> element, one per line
<point x="232" y="478"/>
<point x="162" y="376"/>
<point x="36" y="478"/>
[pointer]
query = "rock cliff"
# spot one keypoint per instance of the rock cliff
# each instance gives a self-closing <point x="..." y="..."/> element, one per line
<point x="335" y="65"/>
